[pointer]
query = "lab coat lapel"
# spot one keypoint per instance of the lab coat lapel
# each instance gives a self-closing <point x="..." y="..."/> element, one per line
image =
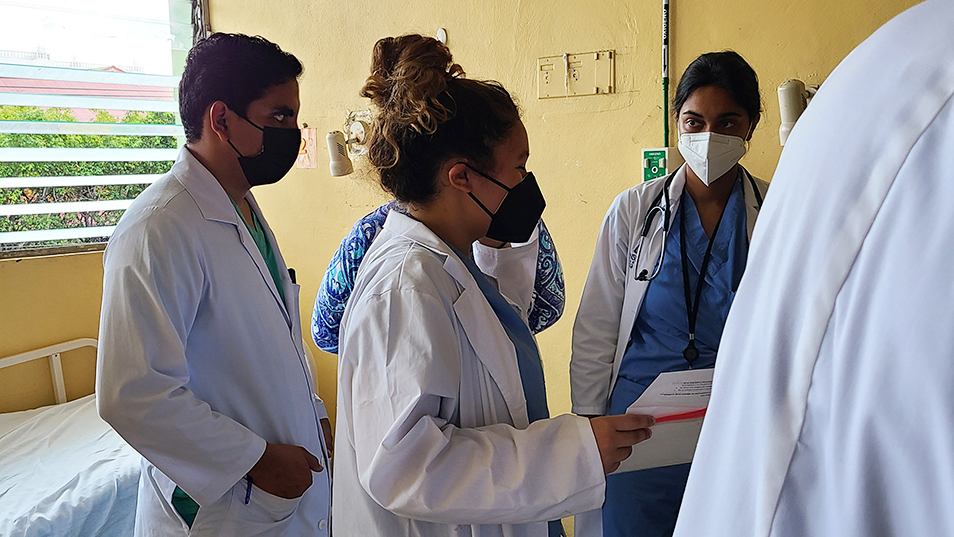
<point x="478" y="319"/>
<point x="290" y="294"/>
<point x="636" y="289"/>
<point x="751" y="201"/>
<point x="215" y="205"/>
<point x="256" y="256"/>
<point x="489" y="340"/>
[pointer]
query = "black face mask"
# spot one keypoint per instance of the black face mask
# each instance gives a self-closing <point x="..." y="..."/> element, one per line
<point x="279" y="152"/>
<point x="519" y="212"/>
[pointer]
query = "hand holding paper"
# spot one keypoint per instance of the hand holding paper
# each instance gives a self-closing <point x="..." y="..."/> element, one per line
<point x="615" y="436"/>
<point x="678" y="401"/>
<point x="675" y="393"/>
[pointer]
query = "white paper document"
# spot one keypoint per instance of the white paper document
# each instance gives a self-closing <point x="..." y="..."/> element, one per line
<point x="678" y="401"/>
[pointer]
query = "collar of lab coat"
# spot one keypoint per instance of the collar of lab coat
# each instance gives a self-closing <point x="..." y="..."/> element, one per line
<point x="752" y="205"/>
<point x="677" y="187"/>
<point x="215" y="205"/>
<point x="484" y="331"/>
<point x="205" y="189"/>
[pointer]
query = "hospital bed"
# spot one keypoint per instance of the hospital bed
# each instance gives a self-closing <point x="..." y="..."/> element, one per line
<point x="63" y="470"/>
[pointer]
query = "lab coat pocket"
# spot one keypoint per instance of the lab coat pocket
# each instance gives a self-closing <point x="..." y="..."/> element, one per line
<point x="275" y="507"/>
<point x="263" y="514"/>
<point x="211" y="517"/>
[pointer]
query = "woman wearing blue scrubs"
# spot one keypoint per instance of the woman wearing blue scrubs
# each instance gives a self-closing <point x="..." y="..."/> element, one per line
<point x="663" y="308"/>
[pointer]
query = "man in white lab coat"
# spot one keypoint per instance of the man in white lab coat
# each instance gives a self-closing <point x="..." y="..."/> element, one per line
<point x="201" y="366"/>
<point x="832" y="405"/>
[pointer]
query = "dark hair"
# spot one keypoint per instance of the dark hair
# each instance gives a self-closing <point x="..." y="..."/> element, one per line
<point x="233" y="68"/>
<point x="726" y="70"/>
<point x="427" y="112"/>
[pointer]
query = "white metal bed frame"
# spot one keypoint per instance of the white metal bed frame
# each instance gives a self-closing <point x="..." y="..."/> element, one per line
<point x="56" y="366"/>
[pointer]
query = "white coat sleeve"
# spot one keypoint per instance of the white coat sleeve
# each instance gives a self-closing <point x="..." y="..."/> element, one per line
<point x="416" y="464"/>
<point x="596" y="328"/>
<point x="153" y="284"/>
<point x="514" y="267"/>
<point x="320" y="408"/>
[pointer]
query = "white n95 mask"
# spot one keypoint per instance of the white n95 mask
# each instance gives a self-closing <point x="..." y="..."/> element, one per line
<point x="710" y="154"/>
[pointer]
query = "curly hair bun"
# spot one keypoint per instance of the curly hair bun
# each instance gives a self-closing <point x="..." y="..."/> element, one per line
<point x="408" y="74"/>
<point x="426" y="113"/>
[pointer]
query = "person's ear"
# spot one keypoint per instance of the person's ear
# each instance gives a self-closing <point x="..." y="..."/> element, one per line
<point x="458" y="177"/>
<point x="755" y="122"/>
<point x="217" y="120"/>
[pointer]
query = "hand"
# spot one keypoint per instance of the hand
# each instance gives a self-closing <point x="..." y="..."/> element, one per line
<point x="284" y="470"/>
<point x="616" y="435"/>
<point x="329" y="437"/>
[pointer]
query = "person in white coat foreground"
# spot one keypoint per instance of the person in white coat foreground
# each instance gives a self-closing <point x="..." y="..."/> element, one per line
<point x="442" y="420"/>
<point x="201" y="366"/>
<point x="831" y="410"/>
<point x="668" y="260"/>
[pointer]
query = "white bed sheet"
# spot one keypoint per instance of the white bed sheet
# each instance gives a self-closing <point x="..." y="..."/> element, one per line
<point x="65" y="472"/>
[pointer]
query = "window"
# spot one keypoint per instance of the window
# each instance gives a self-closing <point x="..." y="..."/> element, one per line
<point x="88" y="114"/>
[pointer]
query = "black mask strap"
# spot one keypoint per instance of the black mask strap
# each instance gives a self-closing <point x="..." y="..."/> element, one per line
<point x="489" y="178"/>
<point x="250" y="123"/>
<point x="481" y="205"/>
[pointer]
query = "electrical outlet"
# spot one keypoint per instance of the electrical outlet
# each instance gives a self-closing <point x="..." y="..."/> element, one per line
<point x="550" y="77"/>
<point x="573" y="75"/>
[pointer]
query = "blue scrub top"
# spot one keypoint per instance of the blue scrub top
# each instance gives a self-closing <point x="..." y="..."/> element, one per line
<point x="646" y="502"/>
<point x="528" y="355"/>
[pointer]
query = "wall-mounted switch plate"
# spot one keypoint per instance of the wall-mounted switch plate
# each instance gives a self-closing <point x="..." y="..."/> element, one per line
<point x="589" y="73"/>
<point x="550" y="76"/>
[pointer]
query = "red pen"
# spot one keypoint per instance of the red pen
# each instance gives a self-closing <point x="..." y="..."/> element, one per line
<point x="692" y="414"/>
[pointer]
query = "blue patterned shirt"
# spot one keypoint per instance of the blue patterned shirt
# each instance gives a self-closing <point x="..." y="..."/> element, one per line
<point x="549" y="295"/>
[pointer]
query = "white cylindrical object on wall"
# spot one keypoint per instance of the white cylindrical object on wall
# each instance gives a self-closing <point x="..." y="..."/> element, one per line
<point x="338" y="153"/>
<point x="792" y="101"/>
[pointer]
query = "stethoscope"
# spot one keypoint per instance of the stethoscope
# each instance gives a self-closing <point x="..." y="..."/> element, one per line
<point x="664" y="212"/>
<point x="691" y="353"/>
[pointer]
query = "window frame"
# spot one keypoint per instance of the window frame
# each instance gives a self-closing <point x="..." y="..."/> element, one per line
<point x="201" y="28"/>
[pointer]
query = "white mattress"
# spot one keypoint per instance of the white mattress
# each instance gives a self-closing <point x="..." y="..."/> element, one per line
<point x="64" y="471"/>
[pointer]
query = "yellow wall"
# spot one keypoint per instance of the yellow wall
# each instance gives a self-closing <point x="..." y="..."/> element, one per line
<point x="585" y="150"/>
<point x="44" y="301"/>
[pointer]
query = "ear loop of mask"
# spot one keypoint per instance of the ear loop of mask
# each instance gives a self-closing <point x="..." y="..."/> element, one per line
<point x="249" y="121"/>
<point x="492" y="180"/>
<point x="485" y="176"/>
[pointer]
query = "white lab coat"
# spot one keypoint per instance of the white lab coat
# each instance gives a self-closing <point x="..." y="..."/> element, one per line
<point x="612" y="296"/>
<point x="200" y="362"/>
<point x="422" y="349"/>
<point x="832" y="411"/>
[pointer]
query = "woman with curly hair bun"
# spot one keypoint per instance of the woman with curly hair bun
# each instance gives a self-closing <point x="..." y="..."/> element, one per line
<point x="443" y="425"/>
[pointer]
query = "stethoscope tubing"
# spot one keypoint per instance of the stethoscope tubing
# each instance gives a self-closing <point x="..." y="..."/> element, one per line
<point x="664" y="210"/>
